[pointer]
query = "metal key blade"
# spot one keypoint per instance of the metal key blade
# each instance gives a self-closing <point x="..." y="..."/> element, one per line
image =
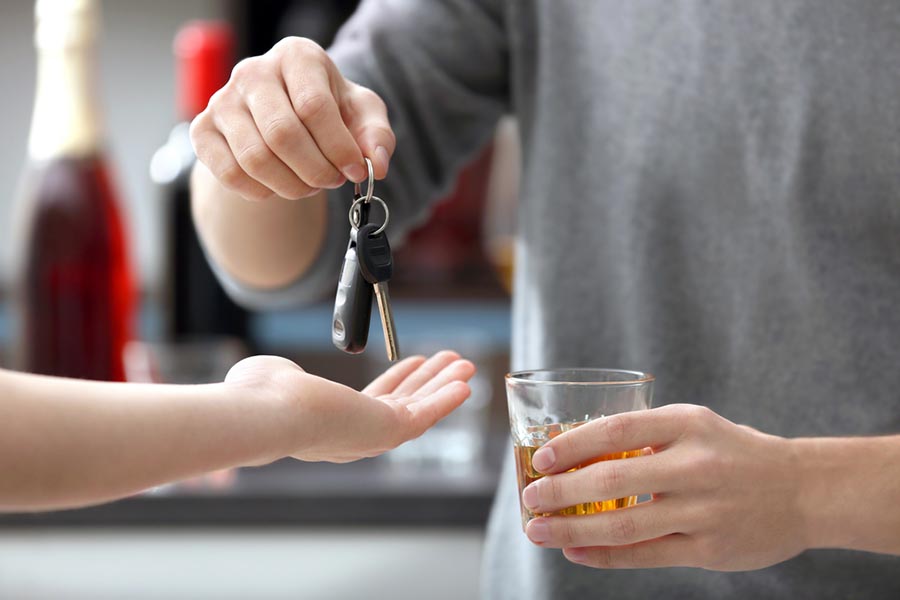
<point x="387" y="320"/>
<point x="377" y="265"/>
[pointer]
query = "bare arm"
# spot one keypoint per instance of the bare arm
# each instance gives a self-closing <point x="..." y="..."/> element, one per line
<point x="851" y="492"/>
<point x="67" y="443"/>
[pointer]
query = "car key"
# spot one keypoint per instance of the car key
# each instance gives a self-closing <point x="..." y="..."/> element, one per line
<point x="353" y="301"/>
<point x="376" y="265"/>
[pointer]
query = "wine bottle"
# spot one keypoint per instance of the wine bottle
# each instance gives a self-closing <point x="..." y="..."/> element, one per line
<point x="75" y="286"/>
<point x="195" y="305"/>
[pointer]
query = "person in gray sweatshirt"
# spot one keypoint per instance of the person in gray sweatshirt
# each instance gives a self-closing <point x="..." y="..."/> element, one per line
<point x="710" y="192"/>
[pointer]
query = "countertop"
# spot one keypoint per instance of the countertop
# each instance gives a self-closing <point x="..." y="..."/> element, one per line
<point x="368" y="492"/>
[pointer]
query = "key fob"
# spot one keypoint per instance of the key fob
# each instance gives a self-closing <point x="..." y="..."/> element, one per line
<point x="374" y="254"/>
<point x="352" y="305"/>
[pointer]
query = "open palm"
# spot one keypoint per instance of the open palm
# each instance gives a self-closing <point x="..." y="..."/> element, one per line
<point x="335" y="423"/>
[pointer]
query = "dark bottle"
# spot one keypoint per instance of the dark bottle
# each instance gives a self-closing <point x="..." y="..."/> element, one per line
<point x="76" y="295"/>
<point x="195" y="305"/>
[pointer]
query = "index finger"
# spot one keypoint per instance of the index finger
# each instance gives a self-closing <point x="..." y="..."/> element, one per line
<point x="654" y="428"/>
<point x="313" y="97"/>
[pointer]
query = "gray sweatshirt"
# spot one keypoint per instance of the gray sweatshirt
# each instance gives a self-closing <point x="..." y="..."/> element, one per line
<point x="711" y="192"/>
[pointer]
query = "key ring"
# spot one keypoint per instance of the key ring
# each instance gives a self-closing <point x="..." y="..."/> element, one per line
<point x="354" y="208"/>
<point x="370" y="188"/>
<point x="359" y="199"/>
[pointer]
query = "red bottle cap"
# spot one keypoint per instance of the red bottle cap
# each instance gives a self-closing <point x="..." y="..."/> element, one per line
<point x="204" y="55"/>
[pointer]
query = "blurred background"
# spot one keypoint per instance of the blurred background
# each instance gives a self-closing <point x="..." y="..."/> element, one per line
<point x="406" y="525"/>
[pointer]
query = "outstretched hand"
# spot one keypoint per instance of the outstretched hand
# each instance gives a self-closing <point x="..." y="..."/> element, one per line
<point x="331" y="422"/>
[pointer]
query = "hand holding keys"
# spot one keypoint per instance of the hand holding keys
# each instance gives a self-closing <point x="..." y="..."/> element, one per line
<point x="368" y="264"/>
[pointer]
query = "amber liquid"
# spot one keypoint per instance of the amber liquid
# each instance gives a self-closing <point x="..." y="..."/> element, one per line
<point x="526" y="473"/>
<point x="76" y="292"/>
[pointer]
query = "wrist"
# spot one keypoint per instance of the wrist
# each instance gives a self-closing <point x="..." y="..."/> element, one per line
<point x="803" y="453"/>
<point x="833" y="476"/>
<point x="268" y="417"/>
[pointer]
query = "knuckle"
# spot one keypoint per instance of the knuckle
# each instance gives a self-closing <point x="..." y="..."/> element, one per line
<point x="280" y="132"/>
<point x="566" y="533"/>
<point x="245" y="68"/>
<point x="617" y="429"/>
<point x="321" y="178"/>
<point x="308" y="192"/>
<point x="291" y="192"/>
<point x="707" y="461"/>
<point x="699" y="412"/>
<point x="641" y="555"/>
<point x="218" y="96"/>
<point x="391" y="140"/>
<point x="697" y="419"/>
<point x="254" y="158"/>
<point x="370" y="98"/>
<point x="255" y="192"/>
<point x="622" y="529"/>
<point x="603" y="558"/>
<point x="295" y="45"/>
<point x="609" y="478"/>
<point x="567" y="445"/>
<point x="232" y="176"/>
<point x="199" y="125"/>
<point x="198" y="130"/>
<point x="687" y="417"/>
<point x="710" y="471"/>
<point x="301" y="190"/>
<point x="217" y="101"/>
<point x="312" y="104"/>
<point x="383" y="133"/>
<point x="550" y="491"/>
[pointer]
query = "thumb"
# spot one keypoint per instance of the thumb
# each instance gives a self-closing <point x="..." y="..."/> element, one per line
<point x="366" y="117"/>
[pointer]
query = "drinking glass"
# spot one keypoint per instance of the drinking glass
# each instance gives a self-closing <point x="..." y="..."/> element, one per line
<point x="546" y="403"/>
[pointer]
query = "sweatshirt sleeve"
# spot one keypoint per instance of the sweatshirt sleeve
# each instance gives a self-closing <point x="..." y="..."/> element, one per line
<point x="441" y="66"/>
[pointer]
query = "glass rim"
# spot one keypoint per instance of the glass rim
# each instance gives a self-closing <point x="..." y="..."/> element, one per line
<point x="522" y="376"/>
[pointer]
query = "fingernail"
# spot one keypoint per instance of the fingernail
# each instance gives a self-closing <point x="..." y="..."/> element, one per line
<point x="355" y="173"/>
<point x="538" y="531"/>
<point x="381" y="157"/>
<point x="544" y="459"/>
<point x="578" y="555"/>
<point x="530" y="497"/>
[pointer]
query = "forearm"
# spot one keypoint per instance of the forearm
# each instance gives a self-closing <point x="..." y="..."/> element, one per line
<point x="266" y="244"/>
<point x="67" y="443"/>
<point x="851" y="492"/>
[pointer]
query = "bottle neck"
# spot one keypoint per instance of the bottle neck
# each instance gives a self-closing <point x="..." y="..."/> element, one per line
<point x="66" y="120"/>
